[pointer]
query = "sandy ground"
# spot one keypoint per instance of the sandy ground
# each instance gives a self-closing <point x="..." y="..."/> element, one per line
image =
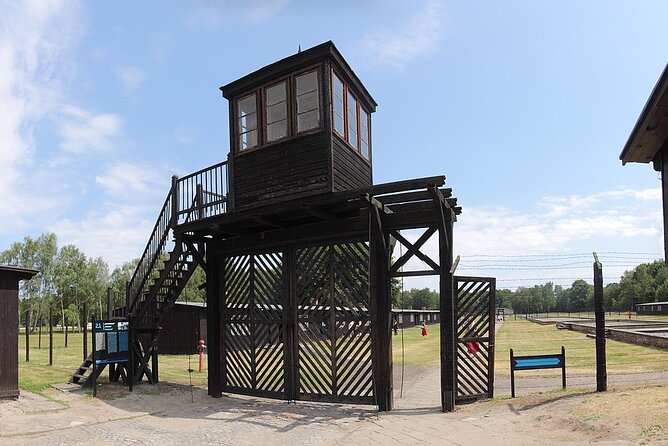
<point x="169" y="414"/>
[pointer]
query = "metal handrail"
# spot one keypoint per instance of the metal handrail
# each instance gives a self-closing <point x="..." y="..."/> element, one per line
<point x="181" y="205"/>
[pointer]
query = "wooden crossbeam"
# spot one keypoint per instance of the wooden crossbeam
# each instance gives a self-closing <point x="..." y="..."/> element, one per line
<point x="414" y="250"/>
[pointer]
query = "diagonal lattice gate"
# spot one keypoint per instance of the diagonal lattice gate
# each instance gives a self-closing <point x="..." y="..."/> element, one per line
<point x="475" y="312"/>
<point x="301" y="330"/>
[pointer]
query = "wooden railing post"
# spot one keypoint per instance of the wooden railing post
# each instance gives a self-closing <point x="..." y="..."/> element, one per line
<point x="199" y="196"/>
<point x="175" y="201"/>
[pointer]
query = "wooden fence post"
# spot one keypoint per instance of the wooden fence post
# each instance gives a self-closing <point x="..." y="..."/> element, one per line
<point x="50" y="336"/>
<point x="85" y="331"/>
<point x="601" y="371"/>
<point x="27" y="335"/>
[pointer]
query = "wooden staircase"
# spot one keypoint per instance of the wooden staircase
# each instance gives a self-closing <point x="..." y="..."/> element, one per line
<point x="84" y="375"/>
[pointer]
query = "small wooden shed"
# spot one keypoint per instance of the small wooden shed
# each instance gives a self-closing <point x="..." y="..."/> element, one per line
<point x="9" y="328"/>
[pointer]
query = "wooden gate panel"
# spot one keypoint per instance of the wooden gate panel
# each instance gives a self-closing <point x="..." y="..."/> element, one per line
<point x="475" y="312"/>
<point x="334" y="334"/>
<point x="254" y="318"/>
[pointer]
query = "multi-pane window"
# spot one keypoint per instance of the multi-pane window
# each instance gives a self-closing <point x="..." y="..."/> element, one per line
<point x="352" y="120"/>
<point x="349" y="119"/>
<point x="337" y="104"/>
<point x="364" y="133"/>
<point x="308" y="101"/>
<point x="247" y="122"/>
<point x="276" y="106"/>
<point x="278" y="111"/>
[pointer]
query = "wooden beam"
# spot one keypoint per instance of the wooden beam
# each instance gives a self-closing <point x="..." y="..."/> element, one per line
<point x="405" y="197"/>
<point x="319" y="213"/>
<point x="413" y="249"/>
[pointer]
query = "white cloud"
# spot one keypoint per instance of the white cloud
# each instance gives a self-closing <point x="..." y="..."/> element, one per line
<point x="417" y="37"/>
<point x="124" y="179"/>
<point x="131" y="77"/>
<point x="35" y="39"/>
<point x="623" y="221"/>
<point x="85" y="132"/>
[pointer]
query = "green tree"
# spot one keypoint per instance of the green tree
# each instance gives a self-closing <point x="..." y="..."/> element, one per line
<point x="580" y="295"/>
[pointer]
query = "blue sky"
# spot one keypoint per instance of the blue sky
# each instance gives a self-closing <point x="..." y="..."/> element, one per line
<point x="523" y="105"/>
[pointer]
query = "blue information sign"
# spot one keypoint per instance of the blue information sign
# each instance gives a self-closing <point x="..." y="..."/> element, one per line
<point x="537" y="362"/>
<point x="110" y="344"/>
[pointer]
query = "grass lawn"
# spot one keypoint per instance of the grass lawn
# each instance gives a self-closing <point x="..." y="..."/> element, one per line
<point x="418" y="349"/>
<point x="36" y="375"/>
<point x="528" y="338"/>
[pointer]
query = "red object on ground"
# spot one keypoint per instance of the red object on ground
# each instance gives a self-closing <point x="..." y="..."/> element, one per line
<point x="424" y="331"/>
<point x="630" y="314"/>
<point x="200" y="349"/>
<point x="473" y="347"/>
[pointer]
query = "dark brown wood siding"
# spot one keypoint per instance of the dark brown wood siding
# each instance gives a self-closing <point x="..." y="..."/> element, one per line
<point x="181" y="329"/>
<point x="349" y="170"/>
<point x="293" y="169"/>
<point x="9" y="337"/>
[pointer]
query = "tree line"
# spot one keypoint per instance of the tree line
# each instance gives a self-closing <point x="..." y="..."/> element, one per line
<point x="68" y="279"/>
<point x="648" y="282"/>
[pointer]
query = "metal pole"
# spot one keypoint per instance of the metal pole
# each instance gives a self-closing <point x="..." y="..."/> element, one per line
<point x="601" y="371"/>
<point x="512" y="375"/>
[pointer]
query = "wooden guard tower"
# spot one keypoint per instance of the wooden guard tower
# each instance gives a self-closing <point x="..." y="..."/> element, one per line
<point x="296" y="242"/>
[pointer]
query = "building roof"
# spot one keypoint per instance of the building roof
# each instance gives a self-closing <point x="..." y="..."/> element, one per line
<point x="652" y="303"/>
<point x="21" y="273"/>
<point x="650" y="133"/>
<point x="298" y="61"/>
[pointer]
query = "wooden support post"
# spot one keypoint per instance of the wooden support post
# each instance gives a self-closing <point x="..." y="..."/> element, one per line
<point x="39" y="334"/>
<point x="381" y="314"/>
<point x="66" y="329"/>
<point x="110" y="303"/>
<point x="85" y="331"/>
<point x="214" y="328"/>
<point x="27" y="335"/>
<point x="447" y="302"/>
<point x="154" y="356"/>
<point x="50" y="336"/>
<point x="290" y="327"/>
<point x="512" y="375"/>
<point x="601" y="372"/>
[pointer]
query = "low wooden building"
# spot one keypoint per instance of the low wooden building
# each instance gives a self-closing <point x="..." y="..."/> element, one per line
<point x="652" y="309"/>
<point x="408" y="318"/>
<point x="9" y="328"/>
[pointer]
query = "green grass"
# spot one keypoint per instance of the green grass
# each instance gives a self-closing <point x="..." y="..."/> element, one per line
<point x="418" y="349"/>
<point x="528" y="338"/>
<point x="37" y="375"/>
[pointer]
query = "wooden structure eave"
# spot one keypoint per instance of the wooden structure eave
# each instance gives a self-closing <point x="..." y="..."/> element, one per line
<point x="650" y="133"/>
<point x="20" y="273"/>
<point x="403" y="205"/>
<point x="299" y="60"/>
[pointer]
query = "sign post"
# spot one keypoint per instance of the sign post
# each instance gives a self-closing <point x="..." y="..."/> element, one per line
<point x="537" y="362"/>
<point x="110" y="345"/>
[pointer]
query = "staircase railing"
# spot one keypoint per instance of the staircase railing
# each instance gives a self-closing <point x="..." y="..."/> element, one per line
<point x="198" y="195"/>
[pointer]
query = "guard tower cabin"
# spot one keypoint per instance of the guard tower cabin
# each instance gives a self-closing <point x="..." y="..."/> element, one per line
<point x="298" y="127"/>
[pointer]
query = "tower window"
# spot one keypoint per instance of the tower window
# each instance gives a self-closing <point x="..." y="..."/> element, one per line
<point x="349" y="119"/>
<point x="308" y="102"/>
<point x="337" y="104"/>
<point x="276" y="104"/>
<point x="247" y="122"/>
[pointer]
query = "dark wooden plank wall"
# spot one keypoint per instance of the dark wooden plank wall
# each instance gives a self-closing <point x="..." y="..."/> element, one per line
<point x="349" y="171"/>
<point x="9" y="337"/>
<point x="283" y="171"/>
<point x="181" y="329"/>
